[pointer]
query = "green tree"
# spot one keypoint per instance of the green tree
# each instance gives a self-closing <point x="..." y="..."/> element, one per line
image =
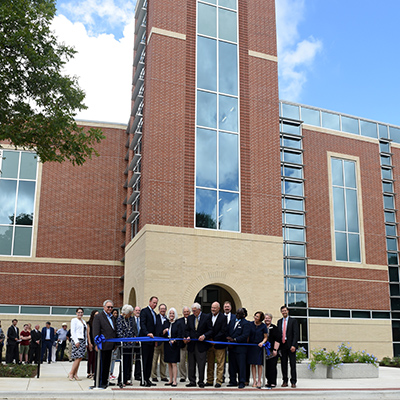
<point x="38" y="103"/>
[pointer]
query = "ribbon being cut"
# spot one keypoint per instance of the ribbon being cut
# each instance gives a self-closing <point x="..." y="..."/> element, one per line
<point x="99" y="340"/>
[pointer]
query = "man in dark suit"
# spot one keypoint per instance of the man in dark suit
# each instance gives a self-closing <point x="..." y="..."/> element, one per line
<point x="12" y="343"/>
<point x="35" y="345"/>
<point x="237" y="356"/>
<point x="148" y="328"/>
<point x="48" y="338"/>
<point x="198" y="327"/>
<point x="104" y="323"/>
<point x="183" y="359"/>
<point x="290" y="336"/>
<point x="217" y="351"/>
<point x="137" y="350"/>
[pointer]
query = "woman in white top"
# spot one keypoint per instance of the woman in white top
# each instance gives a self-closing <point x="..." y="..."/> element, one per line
<point x="78" y="343"/>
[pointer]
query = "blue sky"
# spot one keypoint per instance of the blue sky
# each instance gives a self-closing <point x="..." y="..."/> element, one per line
<point x="341" y="55"/>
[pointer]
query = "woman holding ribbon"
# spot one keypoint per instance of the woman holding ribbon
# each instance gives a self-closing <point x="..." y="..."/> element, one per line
<point x="172" y="349"/>
<point x="126" y="328"/>
<point x="259" y="336"/>
<point x="78" y="343"/>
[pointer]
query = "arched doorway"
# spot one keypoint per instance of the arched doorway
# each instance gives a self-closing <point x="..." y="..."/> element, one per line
<point x="211" y="293"/>
<point x="132" y="298"/>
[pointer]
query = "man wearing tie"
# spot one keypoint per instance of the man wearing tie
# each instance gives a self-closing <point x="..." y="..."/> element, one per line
<point x="104" y="323"/>
<point x="217" y="351"/>
<point x="48" y="338"/>
<point x="237" y="356"/>
<point x="159" y="347"/>
<point x="12" y="343"/>
<point x="198" y="327"/>
<point x="290" y="336"/>
<point x="138" y="372"/>
<point x="148" y="328"/>
<point x="183" y="355"/>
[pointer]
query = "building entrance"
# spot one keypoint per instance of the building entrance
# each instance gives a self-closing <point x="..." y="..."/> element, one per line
<point x="211" y="293"/>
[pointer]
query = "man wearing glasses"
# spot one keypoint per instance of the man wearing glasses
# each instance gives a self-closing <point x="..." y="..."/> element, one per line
<point x="104" y="323"/>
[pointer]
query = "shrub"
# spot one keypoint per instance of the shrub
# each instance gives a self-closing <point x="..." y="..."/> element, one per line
<point x="18" y="371"/>
<point x="301" y="354"/>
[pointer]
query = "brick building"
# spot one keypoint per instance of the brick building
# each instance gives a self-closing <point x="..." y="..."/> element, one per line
<point x="190" y="201"/>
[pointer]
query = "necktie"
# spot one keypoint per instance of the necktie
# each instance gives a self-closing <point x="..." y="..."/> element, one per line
<point x="185" y="321"/>
<point x="154" y="316"/>
<point x="138" y="323"/>
<point x="196" y="323"/>
<point x="284" y="331"/>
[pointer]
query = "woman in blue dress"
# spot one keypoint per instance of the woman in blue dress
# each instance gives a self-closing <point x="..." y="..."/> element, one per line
<point x="258" y="335"/>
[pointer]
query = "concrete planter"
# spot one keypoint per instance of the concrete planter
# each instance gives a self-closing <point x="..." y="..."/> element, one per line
<point x="353" y="371"/>
<point x="303" y="372"/>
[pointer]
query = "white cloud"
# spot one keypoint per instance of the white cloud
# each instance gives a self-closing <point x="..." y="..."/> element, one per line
<point x="295" y="56"/>
<point x="104" y="68"/>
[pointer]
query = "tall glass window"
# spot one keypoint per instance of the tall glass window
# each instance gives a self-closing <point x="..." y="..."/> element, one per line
<point x="345" y="210"/>
<point x="17" y="201"/>
<point x="217" y="116"/>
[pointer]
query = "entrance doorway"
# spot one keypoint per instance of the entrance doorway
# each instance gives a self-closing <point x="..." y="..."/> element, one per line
<point x="211" y="293"/>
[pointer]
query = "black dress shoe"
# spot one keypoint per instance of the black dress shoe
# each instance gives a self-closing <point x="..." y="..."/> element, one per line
<point x="151" y="383"/>
<point x="168" y="384"/>
<point x="155" y="380"/>
<point x="191" y="385"/>
<point x="182" y="380"/>
<point x="201" y="385"/>
<point x="143" y="384"/>
<point x="164" y="379"/>
<point x="147" y="384"/>
<point x="217" y="385"/>
<point x="241" y="386"/>
<point x="208" y="384"/>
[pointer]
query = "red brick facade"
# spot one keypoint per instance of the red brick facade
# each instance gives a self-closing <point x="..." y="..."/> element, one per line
<point x="79" y="218"/>
<point x="351" y="287"/>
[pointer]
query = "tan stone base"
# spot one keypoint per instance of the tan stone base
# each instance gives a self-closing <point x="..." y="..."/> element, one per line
<point x="373" y="336"/>
<point x="174" y="264"/>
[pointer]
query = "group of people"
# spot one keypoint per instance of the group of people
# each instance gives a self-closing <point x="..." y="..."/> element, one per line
<point x="197" y="340"/>
<point x="194" y="341"/>
<point x="31" y="344"/>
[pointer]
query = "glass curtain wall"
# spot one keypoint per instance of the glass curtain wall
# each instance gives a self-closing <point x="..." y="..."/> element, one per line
<point x="217" y="116"/>
<point x="17" y="201"/>
<point x="293" y="224"/>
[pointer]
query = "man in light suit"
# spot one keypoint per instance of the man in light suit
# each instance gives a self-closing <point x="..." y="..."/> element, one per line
<point x="183" y="359"/>
<point x="239" y="333"/>
<point x="148" y="328"/>
<point x="104" y="323"/>
<point x="290" y="336"/>
<point x="217" y="351"/>
<point x="198" y="327"/>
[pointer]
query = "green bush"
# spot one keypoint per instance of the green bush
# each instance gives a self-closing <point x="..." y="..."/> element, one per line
<point x="301" y="354"/>
<point x="18" y="371"/>
<point x="390" y="362"/>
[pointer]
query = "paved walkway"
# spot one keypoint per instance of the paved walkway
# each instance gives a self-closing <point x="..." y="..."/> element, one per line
<point x="53" y="384"/>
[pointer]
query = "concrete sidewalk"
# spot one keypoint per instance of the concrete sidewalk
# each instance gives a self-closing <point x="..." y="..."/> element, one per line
<point x="53" y="384"/>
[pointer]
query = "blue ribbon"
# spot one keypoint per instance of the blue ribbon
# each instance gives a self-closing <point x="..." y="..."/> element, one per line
<point x="101" y="339"/>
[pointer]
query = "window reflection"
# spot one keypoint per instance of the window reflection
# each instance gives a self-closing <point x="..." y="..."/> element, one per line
<point x="228" y="3"/>
<point x="206" y="208"/>
<point x="368" y="129"/>
<point x="207" y="20"/>
<point x="206" y="158"/>
<point x="8" y="189"/>
<point x="228" y="113"/>
<point x="227" y="24"/>
<point x="22" y="241"/>
<point x="228" y="74"/>
<point x="9" y="168"/>
<point x="228" y="211"/>
<point x="206" y="63"/>
<point x="5" y="240"/>
<point x="206" y="109"/>
<point x="350" y="125"/>
<point x="310" y="116"/>
<point x="26" y="198"/>
<point x="295" y="267"/>
<point x="28" y="166"/>
<point x="330" y="121"/>
<point x="228" y="165"/>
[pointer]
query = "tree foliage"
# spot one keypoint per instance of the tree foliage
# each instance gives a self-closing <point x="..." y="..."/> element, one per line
<point x="38" y="103"/>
